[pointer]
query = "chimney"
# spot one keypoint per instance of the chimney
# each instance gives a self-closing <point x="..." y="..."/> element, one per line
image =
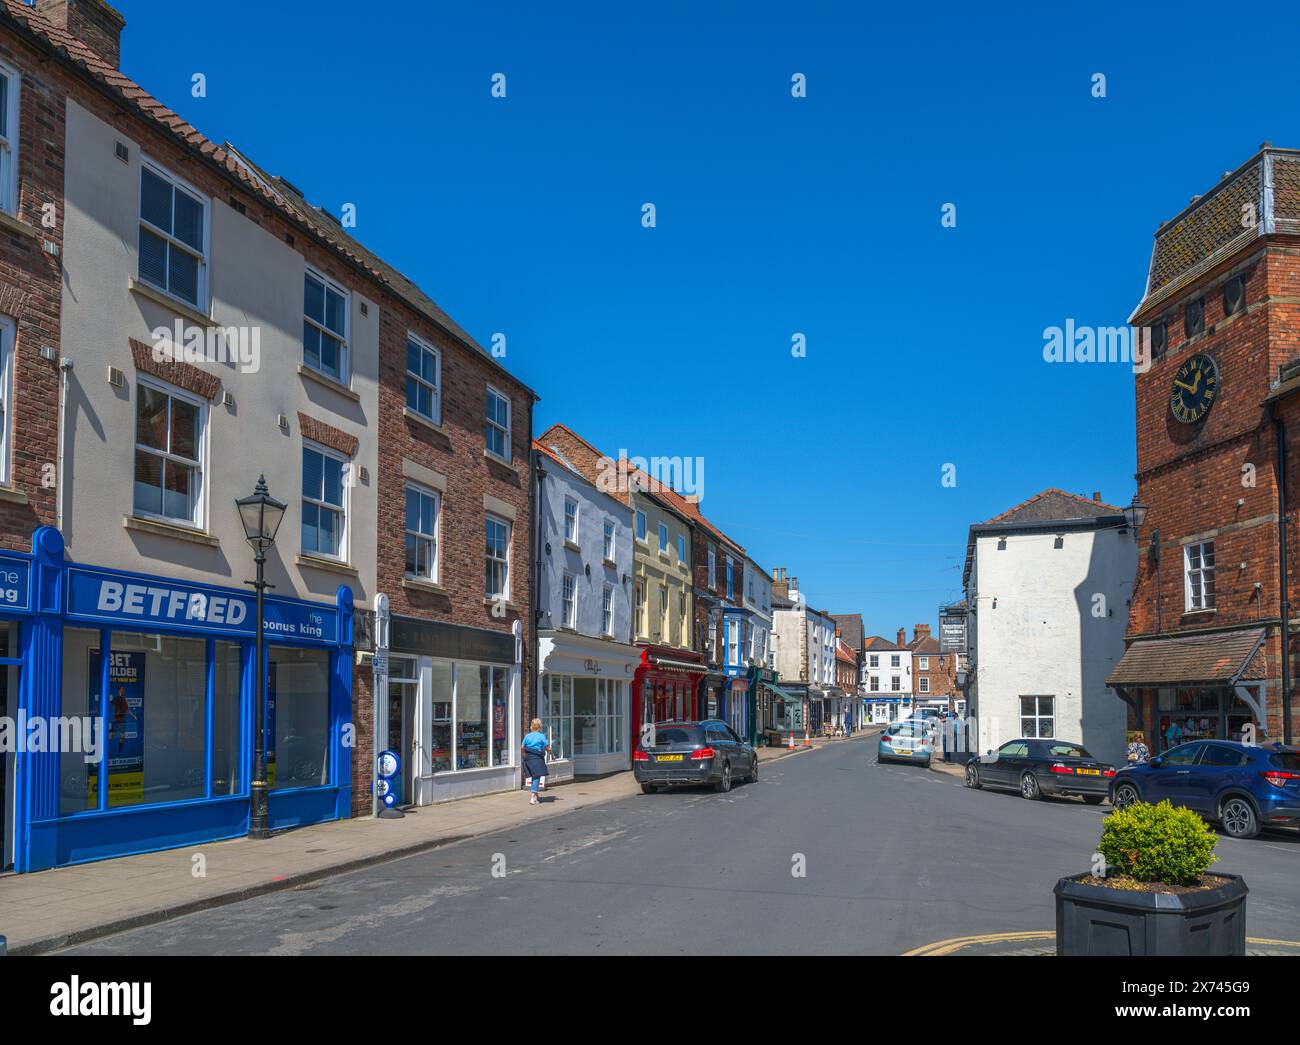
<point x="1096" y="495"/>
<point x="92" y="22"/>
<point x="794" y="583"/>
<point x="921" y="631"/>
<point x="902" y="637"/>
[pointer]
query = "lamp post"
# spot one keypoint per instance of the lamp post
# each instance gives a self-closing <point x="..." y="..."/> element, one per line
<point x="1136" y="515"/>
<point x="261" y="515"/>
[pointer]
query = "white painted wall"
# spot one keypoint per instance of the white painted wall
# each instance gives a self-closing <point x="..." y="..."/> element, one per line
<point x="1051" y="621"/>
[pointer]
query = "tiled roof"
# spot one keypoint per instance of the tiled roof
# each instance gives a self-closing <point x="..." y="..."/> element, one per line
<point x="877" y="644"/>
<point x="926" y="646"/>
<point x="273" y="191"/>
<point x="1222" y="657"/>
<point x="1055" y="505"/>
<point x="851" y="628"/>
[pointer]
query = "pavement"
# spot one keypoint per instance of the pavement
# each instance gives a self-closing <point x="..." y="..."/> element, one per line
<point x="46" y="910"/>
<point x="827" y="853"/>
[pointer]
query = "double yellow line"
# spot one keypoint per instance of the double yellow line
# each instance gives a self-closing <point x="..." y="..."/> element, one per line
<point x="958" y="943"/>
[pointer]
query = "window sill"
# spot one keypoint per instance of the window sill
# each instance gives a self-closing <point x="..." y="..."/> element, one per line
<point x="611" y="564"/>
<point x="10" y="495"/>
<point x="573" y="546"/>
<point x="161" y="529"/>
<point x="1209" y="612"/>
<point x="497" y="458"/>
<point x="507" y="604"/>
<point x="175" y="304"/>
<point x="422" y="421"/>
<point x="10" y="223"/>
<point x="421" y="584"/>
<point x="325" y="381"/>
<point x="328" y="565"/>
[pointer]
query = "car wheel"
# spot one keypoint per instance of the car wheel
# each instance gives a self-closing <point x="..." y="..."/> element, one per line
<point x="724" y="785"/>
<point x="1029" y="787"/>
<point x="753" y="777"/>
<point x="972" y="776"/>
<point x="1093" y="800"/>
<point x="1238" y="818"/>
<point x="1126" y="795"/>
<point x="648" y="789"/>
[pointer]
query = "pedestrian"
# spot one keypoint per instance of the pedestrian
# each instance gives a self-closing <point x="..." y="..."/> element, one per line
<point x="536" y="747"/>
<point x="1138" y="752"/>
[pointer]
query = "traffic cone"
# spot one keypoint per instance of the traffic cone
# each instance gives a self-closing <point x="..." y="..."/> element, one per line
<point x="791" y="740"/>
<point x="807" y="740"/>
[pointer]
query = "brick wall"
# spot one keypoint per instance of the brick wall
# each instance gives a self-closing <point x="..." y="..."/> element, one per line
<point x="31" y="295"/>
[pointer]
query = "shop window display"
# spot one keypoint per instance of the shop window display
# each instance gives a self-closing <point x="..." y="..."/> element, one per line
<point x="440" y="752"/>
<point x="297" y="713"/>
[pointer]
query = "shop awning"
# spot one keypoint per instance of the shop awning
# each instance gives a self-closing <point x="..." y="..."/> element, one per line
<point x="782" y="694"/>
<point x="1225" y="658"/>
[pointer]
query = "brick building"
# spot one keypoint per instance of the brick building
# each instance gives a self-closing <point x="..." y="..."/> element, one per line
<point x="934" y="674"/>
<point x="118" y="220"/>
<point x="1217" y="426"/>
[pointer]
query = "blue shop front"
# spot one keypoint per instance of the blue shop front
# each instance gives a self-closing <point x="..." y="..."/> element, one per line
<point x="130" y="698"/>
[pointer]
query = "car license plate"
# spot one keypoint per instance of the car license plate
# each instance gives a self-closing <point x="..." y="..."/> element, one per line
<point x="904" y="751"/>
<point x="1088" y="772"/>
<point x="668" y="758"/>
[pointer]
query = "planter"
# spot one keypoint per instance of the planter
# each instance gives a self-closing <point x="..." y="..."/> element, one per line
<point x="1096" y="920"/>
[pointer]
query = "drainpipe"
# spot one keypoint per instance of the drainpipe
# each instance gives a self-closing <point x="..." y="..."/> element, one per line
<point x="539" y="577"/>
<point x="1279" y="433"/>
<point x="65" y="370"/>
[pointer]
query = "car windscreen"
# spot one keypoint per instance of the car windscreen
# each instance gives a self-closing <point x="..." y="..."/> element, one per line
<point x="1288" y="760"/>
<point x="1066" y="751"/>
<point x="673" y="736"/>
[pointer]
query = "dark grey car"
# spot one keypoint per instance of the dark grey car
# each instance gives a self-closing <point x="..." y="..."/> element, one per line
<point x="681" y="754"/>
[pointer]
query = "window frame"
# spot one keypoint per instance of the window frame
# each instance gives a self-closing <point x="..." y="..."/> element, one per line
<point x="175" y="182"/>
<point x="713" y="569"/>
<point x="607" y="610"/>
<point x="426" y="347"/>
<point x="10" y="144"/>
<point x="663" y="538"/>
<point x="1038" y="717"/>
<point x="609" y="540"/>
<point x="924" y="684"/>
<point x="569" y="601"/>
<point x="1201" y="572"/>
<point x="490" y="424"/>
<point x="345" y="509"/>
<point x="510" y="534"/>
<point x="8" y="348"/>
<point x="435" y="537"/>
<point x="200" y="463"/>
<point x="344" y="376"/>
<point x="571" y="538"/>
<point x="642" y="532"/>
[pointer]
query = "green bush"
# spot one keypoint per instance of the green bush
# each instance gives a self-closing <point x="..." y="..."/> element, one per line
<point x="1158" y="843"/>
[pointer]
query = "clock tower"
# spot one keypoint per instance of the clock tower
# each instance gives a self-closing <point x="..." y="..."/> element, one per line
<point x="1218" y="441"/>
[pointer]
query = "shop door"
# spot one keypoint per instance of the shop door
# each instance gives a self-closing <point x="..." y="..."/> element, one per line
<point x="401" y="736"/>
<point x="10" y="666"/>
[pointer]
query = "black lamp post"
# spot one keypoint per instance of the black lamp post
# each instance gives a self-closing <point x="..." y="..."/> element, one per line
<point x="1135" y="514"/>
<point x="261" y="515"/>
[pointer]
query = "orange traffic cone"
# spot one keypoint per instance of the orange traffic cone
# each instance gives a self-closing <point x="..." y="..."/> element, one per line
<point x="807" y="740"/>
<point x="791" y="740"/>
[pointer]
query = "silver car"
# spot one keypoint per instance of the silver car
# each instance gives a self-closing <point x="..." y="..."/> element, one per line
<point x="910" y="741"/>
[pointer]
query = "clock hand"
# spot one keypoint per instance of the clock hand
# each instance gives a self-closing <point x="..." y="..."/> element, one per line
<point x="1186" y="388"/>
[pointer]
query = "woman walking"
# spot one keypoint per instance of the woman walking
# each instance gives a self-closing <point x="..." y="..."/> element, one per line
<point x="535" y="748"/>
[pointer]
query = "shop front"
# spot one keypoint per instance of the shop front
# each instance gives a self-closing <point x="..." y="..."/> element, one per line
<point x="583" y="702"/>
<point x="884" y="710"/>
<point x="762" y="703"/>
<point x="736" y="702"/>
<point x="713" y="695"/>
<point x="789" y="712"/>
<point x="665" y="687"/>
<point x="451" y="707"/>
<point x="1202" y="687"/>
<point x="143" y="691"/>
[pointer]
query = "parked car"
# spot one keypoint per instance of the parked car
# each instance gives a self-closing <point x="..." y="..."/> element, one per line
<point x="1036" y="767"/>
<point x="930" y="716"/>
<point x="908" y="741"/>
<point x="1242" y="787"/>
<point x="691" y="753"/>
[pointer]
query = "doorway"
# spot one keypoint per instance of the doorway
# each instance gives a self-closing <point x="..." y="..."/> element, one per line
<point x="10" y="666"/>
<point x="403" y="689"/>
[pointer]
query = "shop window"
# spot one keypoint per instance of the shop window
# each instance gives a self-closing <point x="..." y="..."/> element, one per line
<point x="440" y="744"/>
<point x="297" y="718"/>
<point x="498" y="557"/>
<point x="498" y="424"/>
<point x="423" y="379"/>
<point x="173" y="231"/>
<point x="570" y="520"/>
<point x="421" y="533"/>
<point x="325" y="326"/>
<point x="324" y="515"/>
<point x="9" y="87"/>
<point x="497" y="683"/>
<point x="168" y="455"/>
<point x="1038" y="716"/>
<point x="482" y="717"/>
<point x="80" y="699"/>
<point x="1199" y="576"/>
<point x="557" y="714"/>
<point x="226" y="719"/>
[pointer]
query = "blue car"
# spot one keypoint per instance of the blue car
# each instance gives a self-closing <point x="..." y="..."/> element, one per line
<point x="1243" y="787"/>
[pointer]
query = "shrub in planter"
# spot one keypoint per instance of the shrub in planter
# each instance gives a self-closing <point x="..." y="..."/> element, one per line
<point x="1157" y="896"/>
<point x="1158" y="843"/>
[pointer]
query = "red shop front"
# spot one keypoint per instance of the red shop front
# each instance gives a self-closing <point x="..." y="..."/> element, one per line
<point x="665" y="687"/>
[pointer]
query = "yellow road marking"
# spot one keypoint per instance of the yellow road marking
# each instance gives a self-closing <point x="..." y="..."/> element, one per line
<point x="958" y="943"/>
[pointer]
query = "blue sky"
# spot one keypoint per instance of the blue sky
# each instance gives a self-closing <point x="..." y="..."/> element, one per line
<point x="775" y="216"/>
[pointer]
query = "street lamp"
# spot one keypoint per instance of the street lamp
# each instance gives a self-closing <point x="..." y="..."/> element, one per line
<point x="1136" y="514"/>
<point x="261" y="515"/>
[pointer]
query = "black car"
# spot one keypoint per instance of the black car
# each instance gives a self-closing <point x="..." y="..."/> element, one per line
<point x="684" y="753"/>
<point x="1037" y="767"/>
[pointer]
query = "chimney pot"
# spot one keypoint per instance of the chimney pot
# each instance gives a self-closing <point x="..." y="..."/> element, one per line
<point x="902" y="637"/>
<point x="92" y="22"/>
<point x="1096" y="495"/>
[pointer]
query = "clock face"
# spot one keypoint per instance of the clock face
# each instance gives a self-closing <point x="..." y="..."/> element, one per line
<point x="1195" y="388"/>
